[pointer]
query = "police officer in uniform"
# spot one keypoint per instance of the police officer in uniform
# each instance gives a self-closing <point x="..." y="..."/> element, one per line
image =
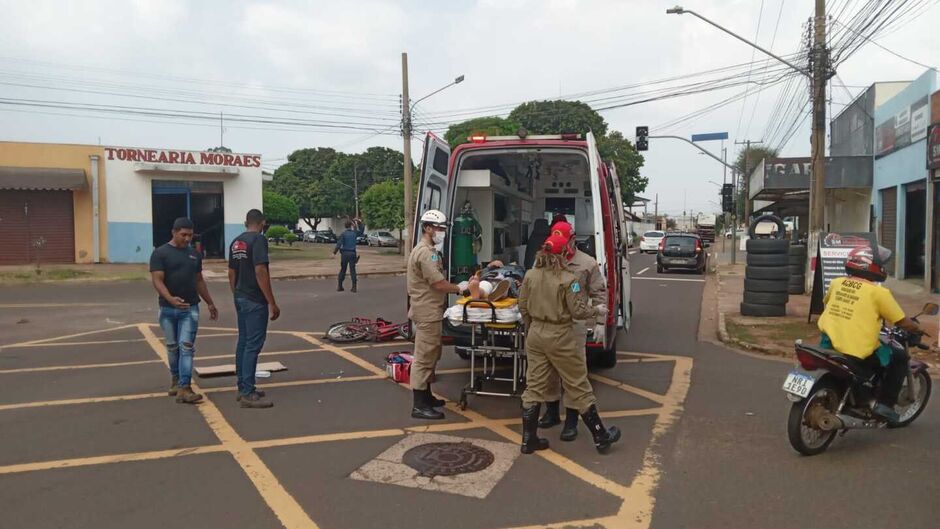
<point x="427" y="289"/>
<point x="550" y="300"/>
<point x="585" y="268"/>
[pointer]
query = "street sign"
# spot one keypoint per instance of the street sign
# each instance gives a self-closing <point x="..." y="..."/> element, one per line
<point x="711" y="136"/>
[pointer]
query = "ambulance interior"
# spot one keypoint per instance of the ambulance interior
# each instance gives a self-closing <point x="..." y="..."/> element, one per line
<point x="513" y="195"/>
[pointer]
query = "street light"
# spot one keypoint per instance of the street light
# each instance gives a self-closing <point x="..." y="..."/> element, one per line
<point x="714" y="182"/>
<point x="457" y="80"/>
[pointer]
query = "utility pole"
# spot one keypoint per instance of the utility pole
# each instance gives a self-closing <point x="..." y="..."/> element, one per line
<point x="356" y="187"/>
<point x="656" y="213"/>
<point x="406" y="149"/>
<point x="820" y="71"/>
<point x="748" y="206"/>
<point x="221" y="131"/>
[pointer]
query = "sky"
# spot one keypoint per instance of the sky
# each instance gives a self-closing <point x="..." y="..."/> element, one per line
<point x="338" y="64"/>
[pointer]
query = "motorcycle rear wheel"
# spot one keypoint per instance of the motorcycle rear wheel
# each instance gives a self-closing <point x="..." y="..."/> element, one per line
<point x="804" y="438"/>
<point x="346" y="332"/>
<point x="913" y="410"/>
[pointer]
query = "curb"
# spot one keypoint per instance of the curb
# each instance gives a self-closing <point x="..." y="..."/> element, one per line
<point x="333" y="275"/>
<point x="725" y="337"/>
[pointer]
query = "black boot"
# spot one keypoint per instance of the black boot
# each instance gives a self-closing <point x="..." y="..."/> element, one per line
<point x="603" y="437"/>
<point x="570" y="431"/>
<point x="421" y="409"/>
<point x="551" y="417"/>
<point x="340" y="287"/>
<point x="353" y="290"/>
<point x="530" y="431"/>
<point x="432" y="400"/>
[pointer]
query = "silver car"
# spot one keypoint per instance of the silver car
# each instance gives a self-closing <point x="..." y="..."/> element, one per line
<point x="383" y="238"/>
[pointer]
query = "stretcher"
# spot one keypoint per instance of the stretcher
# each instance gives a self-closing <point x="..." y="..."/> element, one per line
<point x="496" y="333"/>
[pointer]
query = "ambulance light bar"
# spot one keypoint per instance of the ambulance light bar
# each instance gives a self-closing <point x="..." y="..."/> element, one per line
<point x="480" y="138"/>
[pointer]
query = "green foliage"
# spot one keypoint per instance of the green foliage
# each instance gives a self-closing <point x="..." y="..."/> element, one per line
<point x="558" y="117"/>
<point x="277" y="232"/>
<point x="290" y="239"/>
<point x="756" y="154"/>
<point x="619" y="151"/>
<point x="488" y="125"/>
<point x="279" y="209"/>
<point x="383" y="205"/>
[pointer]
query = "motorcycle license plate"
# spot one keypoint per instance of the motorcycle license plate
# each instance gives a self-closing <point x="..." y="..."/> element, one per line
<point x="798" y="384"/>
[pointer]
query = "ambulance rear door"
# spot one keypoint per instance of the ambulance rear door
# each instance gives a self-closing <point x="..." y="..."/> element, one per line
<point x="623" y="236"/>
<point x="433" y="188"/>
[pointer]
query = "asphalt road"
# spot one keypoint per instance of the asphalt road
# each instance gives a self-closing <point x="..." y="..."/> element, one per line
<point x="87" y="439"/>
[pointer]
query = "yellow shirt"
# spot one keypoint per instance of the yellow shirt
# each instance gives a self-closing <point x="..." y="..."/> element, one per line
<point x="853" y="315"/>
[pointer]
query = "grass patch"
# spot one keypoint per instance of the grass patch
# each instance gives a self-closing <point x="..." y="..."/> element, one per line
<point x="52" y="274"/>
<point x="300" y="251"/>
<point x="738" y="332"/>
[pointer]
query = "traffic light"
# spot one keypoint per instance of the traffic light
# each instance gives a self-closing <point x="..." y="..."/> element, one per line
<point x="727" y="198"/>
<point x="642" y="138"/>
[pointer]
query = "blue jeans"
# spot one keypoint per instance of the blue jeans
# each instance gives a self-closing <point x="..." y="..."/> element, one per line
<point x="252" y="331"/>
<point x="179" y="334"/>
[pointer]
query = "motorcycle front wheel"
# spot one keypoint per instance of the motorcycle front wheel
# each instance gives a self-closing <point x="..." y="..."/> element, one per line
<point x="912" y="403"/>
<point x="346" y="332"/>
<point x="804" y="437"/>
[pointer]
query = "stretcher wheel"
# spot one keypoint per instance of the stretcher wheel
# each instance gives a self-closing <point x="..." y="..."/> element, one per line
<point x="462" y="403"/>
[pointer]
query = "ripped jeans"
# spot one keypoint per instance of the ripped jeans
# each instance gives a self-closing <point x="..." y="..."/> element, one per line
<point x="179" y="333"/>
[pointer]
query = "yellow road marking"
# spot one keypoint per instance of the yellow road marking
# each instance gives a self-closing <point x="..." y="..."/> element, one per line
<point x="290" y="383"/>
<point x="346" y="355"/>
<point x="61" y="344"/>
<point x="265" y="354"/>
<point x="49" y="305"/>
<point x="80" y="366"/>
<point x="105" y="460"/>
<point x="86" y="400"/>
<point x="649" y="395"/>
<point x="76" y="335"/>
<point x="642" y="360"/>
<point x="284" y="506"/>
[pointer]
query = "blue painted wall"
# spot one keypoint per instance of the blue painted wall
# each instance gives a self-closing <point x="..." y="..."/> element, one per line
<point x="130" y="242"/>
<point x="232" y="231"/>
<point x="903" y="166"/>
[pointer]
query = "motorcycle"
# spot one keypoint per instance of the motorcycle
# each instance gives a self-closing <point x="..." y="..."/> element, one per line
<point x="832" y="393"/>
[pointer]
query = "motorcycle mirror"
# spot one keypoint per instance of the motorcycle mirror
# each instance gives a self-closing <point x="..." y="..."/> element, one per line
<point x="931" y="309"/>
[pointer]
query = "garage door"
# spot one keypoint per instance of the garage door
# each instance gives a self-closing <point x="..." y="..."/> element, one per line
<point x="889" y="222"/>
<point x="37" y="218"/>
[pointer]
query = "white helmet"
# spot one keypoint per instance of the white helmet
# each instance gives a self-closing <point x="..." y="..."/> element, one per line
<point x="434" y="218"/>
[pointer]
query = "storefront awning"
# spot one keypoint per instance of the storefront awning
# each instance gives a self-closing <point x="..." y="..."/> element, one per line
<point x="41" y="178"/>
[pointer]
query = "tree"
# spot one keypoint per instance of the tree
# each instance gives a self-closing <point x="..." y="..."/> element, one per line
<point x="303" y="180"/>
<point x="558" y="117"/>
<point x="756" y="154"/>
<point x="616" y="149"/>
<point x="383" y="206"/>
<point x="488" y="126"/>
<point x="279" y="209"/>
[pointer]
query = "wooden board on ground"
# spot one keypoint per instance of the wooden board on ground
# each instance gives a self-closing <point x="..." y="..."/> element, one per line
<point x="229" y="369"/>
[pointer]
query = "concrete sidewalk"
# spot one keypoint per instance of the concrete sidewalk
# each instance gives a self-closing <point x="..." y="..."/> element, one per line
<point x="775" y="336"/>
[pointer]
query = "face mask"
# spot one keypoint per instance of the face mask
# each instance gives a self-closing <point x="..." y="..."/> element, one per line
<point x="439" y="237"/>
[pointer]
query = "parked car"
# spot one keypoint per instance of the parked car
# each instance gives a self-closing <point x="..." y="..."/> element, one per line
<point x="684" y="251"/>
<point x="383" y="238"/>
<point x="362" y="240"/>
<point x="741" y="233"/>
<point x="322" y="236"/>
<point x="649" y="242"/>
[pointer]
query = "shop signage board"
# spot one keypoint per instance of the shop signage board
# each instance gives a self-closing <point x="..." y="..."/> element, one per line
<point x="833" y="251"/>
<point x="904" y="128"/>
<point x="170" y="156"/>
<point x="933" y="147"/>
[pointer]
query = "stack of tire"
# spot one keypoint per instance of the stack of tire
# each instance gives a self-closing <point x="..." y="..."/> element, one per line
<point x="767" y="275"/>
<point x="797" y="264"/>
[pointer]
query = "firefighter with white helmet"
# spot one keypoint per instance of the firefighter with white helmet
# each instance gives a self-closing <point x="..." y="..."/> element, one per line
<point x="427" y="290"/>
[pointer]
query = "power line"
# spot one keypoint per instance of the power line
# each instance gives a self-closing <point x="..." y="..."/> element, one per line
<point x="892" y="52"/>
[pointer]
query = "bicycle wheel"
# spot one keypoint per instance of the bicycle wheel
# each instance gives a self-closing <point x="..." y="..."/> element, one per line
<point x="347" y="331"/>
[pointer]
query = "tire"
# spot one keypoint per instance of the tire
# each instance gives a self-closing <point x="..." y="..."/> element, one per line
<point x="824" y="394"/>
<point x="606" y="358"/>
<point x="763" y="311"/>
<point x="660" y="269"/>
<point x="406" y="331"/>
<point x="345" y="332"/>
<point x="766" y="298"/>
<point x="798" y="250"/>
<point x="765" y="285"/>
<point x="462" y="352"/>
<point x="795" y="270"/>
<point x="797" y="260"/>
<point x="917" y="407"/>
<point x="770" y="259"/>
<point x="796" y="289"/>
<point x="768" y="246"/>
<point x="797" y="280"/>
<point x="766" y="272"/>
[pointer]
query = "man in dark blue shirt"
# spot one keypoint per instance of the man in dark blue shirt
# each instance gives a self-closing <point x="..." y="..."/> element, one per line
<point x="346" y="246"/>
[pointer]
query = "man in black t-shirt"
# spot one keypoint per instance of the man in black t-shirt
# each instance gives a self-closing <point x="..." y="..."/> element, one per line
<point x="176" y="272"/>
<point x="250" y="281"/>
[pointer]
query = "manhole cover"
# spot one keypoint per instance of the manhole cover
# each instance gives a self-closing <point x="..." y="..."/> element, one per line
<point x="447" y="459"/>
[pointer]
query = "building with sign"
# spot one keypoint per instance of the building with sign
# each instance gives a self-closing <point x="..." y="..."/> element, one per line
<point x="89" y="204"/>
<point x="49" y="212"/>
<point x="933" y="167"/>
<point x="901" y="198"/>
<point x="149" y="188"/>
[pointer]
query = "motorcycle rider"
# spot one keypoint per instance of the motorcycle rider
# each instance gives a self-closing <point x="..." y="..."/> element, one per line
<point x="851" y="323"/>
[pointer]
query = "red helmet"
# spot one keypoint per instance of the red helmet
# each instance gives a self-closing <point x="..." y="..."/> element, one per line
<point x="866" y="264"/>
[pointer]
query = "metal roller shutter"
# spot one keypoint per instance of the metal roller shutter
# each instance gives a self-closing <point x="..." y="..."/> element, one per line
<point x="889" y="222"/>
<point x="28" y="216"/>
